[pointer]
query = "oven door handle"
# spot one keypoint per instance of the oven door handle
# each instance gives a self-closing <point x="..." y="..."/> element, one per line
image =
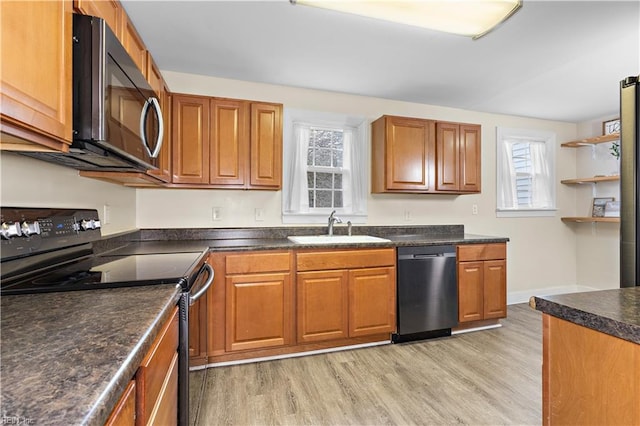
<point x="205" y="287"/>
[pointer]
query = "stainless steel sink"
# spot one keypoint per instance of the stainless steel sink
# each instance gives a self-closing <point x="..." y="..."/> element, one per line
<point x="336" y="239"/>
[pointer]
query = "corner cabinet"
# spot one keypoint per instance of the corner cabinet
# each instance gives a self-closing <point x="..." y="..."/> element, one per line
<point x="413" y="155"/>
<point x="591" y="180"/>
<point x="35" y="88"/>
<point x="482" y="282"/>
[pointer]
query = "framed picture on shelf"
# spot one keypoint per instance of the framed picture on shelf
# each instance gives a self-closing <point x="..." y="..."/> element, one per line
<point x="611" y="126"/>
<point x="612" y="209"/>
<point x="599" y="205"/>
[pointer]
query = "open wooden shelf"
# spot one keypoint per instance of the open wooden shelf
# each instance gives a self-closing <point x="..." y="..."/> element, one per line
<point x="592" y="141"/>
<point x="594" y="179"/>
<point x="591" y="219"/>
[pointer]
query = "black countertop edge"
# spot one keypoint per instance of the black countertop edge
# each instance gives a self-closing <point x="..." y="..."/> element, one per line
<point x="613" y="312"/>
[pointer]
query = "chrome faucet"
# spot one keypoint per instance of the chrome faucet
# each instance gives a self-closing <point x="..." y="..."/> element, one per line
<point x="333" y="219"/>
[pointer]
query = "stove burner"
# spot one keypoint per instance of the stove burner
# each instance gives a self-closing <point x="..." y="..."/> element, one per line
<point x="80" y="277"/>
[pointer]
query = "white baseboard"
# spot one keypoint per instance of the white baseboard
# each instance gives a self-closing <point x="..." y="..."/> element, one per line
<point x="523" y="296"/>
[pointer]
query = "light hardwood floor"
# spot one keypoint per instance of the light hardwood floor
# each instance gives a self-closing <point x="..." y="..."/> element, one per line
<point x="490" y="377"/>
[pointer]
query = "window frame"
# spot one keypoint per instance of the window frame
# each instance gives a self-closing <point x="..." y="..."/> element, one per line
<point x="505" y="135"/>
<point x="333" y="121"/>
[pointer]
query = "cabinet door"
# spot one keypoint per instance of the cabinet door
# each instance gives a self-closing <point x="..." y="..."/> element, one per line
<point x="470" y="158"/>
<point x="495" y="289"/>
<point x="124" y="413"/>
<point x="229" y="142"/>
<point x="322" y="305"/>
<point x="35" y="73"/>
<point x="266" y="146"/>
<point x="447" y="157"/>
<point x="372" y="301"/>
<point x="470" y="291"/>
<point x="109" y="10"/>
<point x="190" y="139"/>
<point x="258" y="311"/>
<point x="133" y="44"/>
<point x="407" y="152"/>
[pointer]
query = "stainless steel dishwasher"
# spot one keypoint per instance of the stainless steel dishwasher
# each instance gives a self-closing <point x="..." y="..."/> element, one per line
<point x="427" y="292"/>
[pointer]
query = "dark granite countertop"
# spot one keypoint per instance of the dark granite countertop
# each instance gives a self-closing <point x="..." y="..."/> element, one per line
<point x="615" y="312"/>
<point x="67" y="357"/>
<point x="239" y="239"/>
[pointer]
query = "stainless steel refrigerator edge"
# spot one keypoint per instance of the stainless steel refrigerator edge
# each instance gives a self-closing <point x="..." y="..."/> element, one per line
<point x="629" y="195"/>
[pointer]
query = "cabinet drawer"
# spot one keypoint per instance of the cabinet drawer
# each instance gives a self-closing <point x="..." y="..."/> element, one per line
<point x="345" y="259"/>
<point x="165" y="411"/>
<point x="473" y="252"/>
<point x="257" y="262"/>
<point x="155" y="366"/>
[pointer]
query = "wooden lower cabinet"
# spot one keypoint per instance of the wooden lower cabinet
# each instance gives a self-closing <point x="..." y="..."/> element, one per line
<point x="482" y="282"/>
<point x="269" y="303"/>
<point x="372" y="301"/>
<point x="345" y="293"/>
<point x="588" y="377"/>
<point x="322" y="306"/>
<point x="198" y="333"/>
<point x="258" y="301"/>
<point x="156" y="378"/>
<point x="124" y="414"/>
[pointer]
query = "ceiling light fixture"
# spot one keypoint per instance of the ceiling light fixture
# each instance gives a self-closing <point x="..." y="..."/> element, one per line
<point x="472" y="18"/>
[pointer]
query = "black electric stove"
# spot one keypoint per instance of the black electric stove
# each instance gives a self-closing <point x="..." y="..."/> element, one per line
<point x="50" y="250"/>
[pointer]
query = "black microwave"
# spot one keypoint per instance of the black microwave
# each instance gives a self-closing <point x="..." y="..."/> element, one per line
<point x="117" y="120"/>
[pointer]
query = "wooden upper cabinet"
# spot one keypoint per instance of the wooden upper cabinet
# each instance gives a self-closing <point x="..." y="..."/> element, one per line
<point x="133" y="44"/>
<point x="35" y="85"/>
<point x="229" y="143"/>
<point x="458" y="157"/>
<point x="240" y="144"/>
<point x="154" y="77"/>
<point x="266" y="146"/>
<point x="470" y="158"/>
<point x="190" y="139"/>
<point x="109" y="10"/>
<point x="401" y="153"/>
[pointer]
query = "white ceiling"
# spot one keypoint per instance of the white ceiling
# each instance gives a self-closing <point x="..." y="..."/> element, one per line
<point x="558" y="60"/>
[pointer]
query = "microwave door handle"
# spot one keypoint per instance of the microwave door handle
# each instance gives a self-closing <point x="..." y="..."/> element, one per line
<point x="143" y="134"/>
<point x="205" y="287"/>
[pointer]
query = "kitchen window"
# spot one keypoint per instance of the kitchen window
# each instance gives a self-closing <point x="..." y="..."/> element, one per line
<point x="526" y="173"/>
<point x="325" y="167"/>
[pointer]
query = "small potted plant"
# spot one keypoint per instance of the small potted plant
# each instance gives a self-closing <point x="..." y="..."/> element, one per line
<point x="615" y="149"/>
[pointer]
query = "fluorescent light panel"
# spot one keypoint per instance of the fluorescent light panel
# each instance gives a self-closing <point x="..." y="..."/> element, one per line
<point x="473" y="18"/>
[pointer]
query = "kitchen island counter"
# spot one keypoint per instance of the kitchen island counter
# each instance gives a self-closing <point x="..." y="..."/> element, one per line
<point x="614" y="312"/>
<point x="591" y="357"/>
<point x="66" y="358"/>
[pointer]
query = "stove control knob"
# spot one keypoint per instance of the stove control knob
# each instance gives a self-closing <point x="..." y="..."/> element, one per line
<point x="9" y="230"/>
<point x="30" y="228"/>
<point x="85" y="225"/>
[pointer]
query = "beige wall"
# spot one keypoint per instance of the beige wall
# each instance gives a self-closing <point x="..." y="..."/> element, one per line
<point x="545" y="255"/>
<point x="542" y="251"/>
<point x="27" y="182"/>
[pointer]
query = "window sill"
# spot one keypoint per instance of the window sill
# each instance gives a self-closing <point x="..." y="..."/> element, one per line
<point x="526" y="213"/>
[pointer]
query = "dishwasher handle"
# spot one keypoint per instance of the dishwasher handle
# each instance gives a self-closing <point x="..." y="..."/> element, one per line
<point x="418" y="256"/>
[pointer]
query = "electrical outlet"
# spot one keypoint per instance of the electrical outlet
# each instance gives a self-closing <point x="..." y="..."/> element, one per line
<point x="407" y="216"/>
<point x="474" y="209"/>
<point x="106" y="214"/>
<point x="259" y="215"/>
<point x="216" y="213"/>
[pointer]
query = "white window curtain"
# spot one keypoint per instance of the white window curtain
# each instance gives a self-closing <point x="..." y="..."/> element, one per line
<point x="295" y="200"/>
<point x="541" y="157"/>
